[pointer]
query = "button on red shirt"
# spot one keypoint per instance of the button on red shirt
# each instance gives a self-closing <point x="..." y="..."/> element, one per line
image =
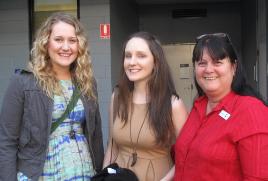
<point x="228" y="144"/>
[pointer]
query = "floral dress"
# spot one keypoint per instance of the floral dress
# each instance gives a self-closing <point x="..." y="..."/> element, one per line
<point x="68" y="157"/>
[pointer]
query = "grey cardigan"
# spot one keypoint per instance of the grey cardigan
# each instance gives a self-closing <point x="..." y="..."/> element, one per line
<point x="25" y="123"/>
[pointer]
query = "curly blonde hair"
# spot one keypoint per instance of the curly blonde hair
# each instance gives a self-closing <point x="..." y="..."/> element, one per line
<point x="81" y="68"/>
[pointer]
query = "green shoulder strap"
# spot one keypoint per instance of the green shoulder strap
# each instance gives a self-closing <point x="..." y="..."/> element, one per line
<point x="70" y="106"/>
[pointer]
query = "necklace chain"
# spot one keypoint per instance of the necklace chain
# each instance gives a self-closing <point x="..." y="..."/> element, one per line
<point x="134" y="154"/>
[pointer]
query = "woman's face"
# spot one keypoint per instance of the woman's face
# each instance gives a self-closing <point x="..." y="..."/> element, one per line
<point x="62" y="46"/>
<point x="138" y="60"/>
<point x="214" y="76"/>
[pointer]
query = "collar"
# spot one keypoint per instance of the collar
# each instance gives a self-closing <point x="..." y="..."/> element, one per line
<point x="227" y="103"/>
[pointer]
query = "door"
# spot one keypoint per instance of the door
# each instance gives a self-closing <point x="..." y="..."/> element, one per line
<point x="179" y="57"/>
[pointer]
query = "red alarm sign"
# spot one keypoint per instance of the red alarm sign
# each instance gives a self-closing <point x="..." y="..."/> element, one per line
<point x="105" y="31"/>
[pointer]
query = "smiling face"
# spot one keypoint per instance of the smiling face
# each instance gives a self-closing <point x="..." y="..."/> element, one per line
<point x="214" y="76"/>
<point x="62" y="46"/>
<point x="138" y="60"/>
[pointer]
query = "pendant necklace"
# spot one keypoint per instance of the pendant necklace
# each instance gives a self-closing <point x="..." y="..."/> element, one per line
<point x="134" y="153"/>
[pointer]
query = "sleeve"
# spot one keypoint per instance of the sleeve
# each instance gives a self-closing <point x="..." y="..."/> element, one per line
<point x="98" y="141"/>
<point x="253" y="153"/>
<point x="252" y="139"/>
<point x="10" y="119"/>
<point x="251" y="119"/>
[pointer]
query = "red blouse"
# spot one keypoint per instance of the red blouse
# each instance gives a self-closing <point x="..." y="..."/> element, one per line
<point x="228" y="144"/>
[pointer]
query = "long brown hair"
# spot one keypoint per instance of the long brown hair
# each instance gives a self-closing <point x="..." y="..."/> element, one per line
<point x="161" y="88"/>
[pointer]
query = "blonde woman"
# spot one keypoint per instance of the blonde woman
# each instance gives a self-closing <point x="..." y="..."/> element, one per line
<point x="34" y="143"/>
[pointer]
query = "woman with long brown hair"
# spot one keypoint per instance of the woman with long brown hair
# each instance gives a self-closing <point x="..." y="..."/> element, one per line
<point x="146" y="114"/>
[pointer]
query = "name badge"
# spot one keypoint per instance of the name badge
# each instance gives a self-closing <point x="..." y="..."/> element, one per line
<point x="225" y="115"/>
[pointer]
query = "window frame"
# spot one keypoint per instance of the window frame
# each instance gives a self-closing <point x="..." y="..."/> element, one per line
<point x="31" y="19"/>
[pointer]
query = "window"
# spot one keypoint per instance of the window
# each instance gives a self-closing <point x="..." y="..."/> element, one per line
<point x="41" y="9"/>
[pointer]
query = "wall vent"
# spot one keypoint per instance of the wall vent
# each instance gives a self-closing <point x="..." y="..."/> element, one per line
<point x="189" y="13"/>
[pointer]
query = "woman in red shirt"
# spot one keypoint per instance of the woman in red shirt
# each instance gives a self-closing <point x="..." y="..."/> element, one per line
<point x="225" y="137"/>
